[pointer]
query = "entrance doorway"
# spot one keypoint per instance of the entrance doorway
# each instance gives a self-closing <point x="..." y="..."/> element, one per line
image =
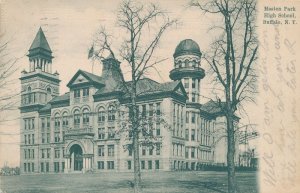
<point x="76" y="155"/>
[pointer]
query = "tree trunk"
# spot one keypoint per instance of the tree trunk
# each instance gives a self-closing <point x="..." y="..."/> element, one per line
<point x="230" y="153"/>
<point x="136" y="162"/>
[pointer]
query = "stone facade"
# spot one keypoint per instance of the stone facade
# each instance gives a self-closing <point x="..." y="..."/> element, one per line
<point x="83" y="129"/>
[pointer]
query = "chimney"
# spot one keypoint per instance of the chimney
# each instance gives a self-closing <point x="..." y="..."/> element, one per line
<point x="111" y="72"/>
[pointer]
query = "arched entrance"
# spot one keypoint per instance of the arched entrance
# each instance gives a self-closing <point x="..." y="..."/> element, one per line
<point x="76" y="157"/>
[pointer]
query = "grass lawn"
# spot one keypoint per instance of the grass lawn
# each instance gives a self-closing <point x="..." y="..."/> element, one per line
<point x="164" y="182"/>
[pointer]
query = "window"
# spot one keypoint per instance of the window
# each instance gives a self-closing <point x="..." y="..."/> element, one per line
<point x="111" y="132"/>
<point x="57" y="153"/>
<point x="193" y="152"/>
<point x="56" y="121"/>
<point x="193" y="117"/>
<point x="25" y="153"/>
<point x="32" y="167"/>
<point x="29" y="139"/>
<point x="150" y="109"/>
<point x="56" y="137"/>
<point x="186" y="152"/>
<point x="158" y="111"/>
<point x="76" y="93"/>
<point x="193" y="83"/>
<point x="32" y="136"/>
<point x="42" y="167"/>
<point x="157" y="164"/>
<point x="43" y="137"/>
<point x="151" y="150"/>
<point x="48" y="138"/>
<point x="149" y="165"/>
<point x="48" y="153"/>
<point x="129" y="165"/>
<point x="76" y="118"/>
<point x="130" y="151"/>
<point x="193" y="97"/>
<point x="143" y="150"/>
<point x="85" y="92"/>
<point x="32" y="153"/>
<point x="187" y="117"/>
<point x="56" y="167"/>
<point x="111" y="150"/>
<point x="193" y="135"/>
<point x="43" y="153"/>
<point x="111" y="113"/>
<point x="25" y="136"/>
<point x="101" y="133"/>
<point x="85" y="117"/>
<point x="143" y="165"/>
<point x="186" y="83"/>
<point x="65" y="121"/>
<point x="101" y="114"/>
<point x="100" y="165"/>
<point x="101" y="150"/>
<point x="43" y="123"/>
<point x="25" y="168"/>
<point x="48" y="122"/>
<point x="47" y="166"/>
<point x="186" y="134"/>
<point x="157" y="149"/>
<point x="144" y="111"/>
<point x="110" y="165"/>
<point x="157" y="129"/>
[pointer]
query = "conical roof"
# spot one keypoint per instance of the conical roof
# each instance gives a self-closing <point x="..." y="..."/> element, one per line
<point x="40" y="41"/>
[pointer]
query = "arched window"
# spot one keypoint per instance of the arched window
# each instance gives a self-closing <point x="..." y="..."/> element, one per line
<point x="49" y="96"/>
<point x="29" y="95"/>
<point x="101" y="114"/>
<point x="111" y="113"/>
<point x="65" y="121"/>
<point x="86" y="117"/>
<point x="56" y="120"/>
<point x="76" y="118"/>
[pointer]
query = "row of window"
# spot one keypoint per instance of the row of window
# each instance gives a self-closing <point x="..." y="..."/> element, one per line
<point x="29" y="153"/>
<point x="29" y="123"/>
<point x="186" y="63"/>
<point x="110" y="165"/>
<point x="110" y="150"/>
<point x="110" y="134"/>
<point x="29" y="167"/>
<point x="197" y="153"/>
<point x="186" y="82"/>
<point x="29" y="139"/>
<point x="85" y="92"/>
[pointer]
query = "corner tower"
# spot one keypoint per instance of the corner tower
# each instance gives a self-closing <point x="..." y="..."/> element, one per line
<point x="187" y="68"/>
<point x="38" y="82"/>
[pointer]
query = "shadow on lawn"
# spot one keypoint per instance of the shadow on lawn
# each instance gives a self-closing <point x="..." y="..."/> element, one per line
<point x="217" y="187"/>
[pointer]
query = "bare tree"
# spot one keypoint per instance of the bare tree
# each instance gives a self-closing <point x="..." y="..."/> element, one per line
<point x="232" y="58"/>
<point x="8" y="97"/>
<point x="143" y="26"/>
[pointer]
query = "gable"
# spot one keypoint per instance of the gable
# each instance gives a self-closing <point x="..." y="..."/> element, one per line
<point x="80" y="79"/>
<point x="180" y="90"/>
<point x="85" y="78"/>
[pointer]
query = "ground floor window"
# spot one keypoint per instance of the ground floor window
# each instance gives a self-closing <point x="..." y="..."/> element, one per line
<point x="100" y="165"/>
<point x="63" y="166"/>
<point x="156" y="164"/>
<point x="56" y="166"/>
<point x="25" y="167"/>
<point x="129" y="165"/>
<point x="47" y="167"/>
<point x="143" y="165"/>
<point x="42" y="167"/>
<point x="149" y="165"/>
<point x="110" y="165"/>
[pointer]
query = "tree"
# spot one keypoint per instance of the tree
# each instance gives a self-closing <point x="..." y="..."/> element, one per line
<point x="143" y="26"/>
<point x="232" y="58"/>
<point x="8" y="98"/>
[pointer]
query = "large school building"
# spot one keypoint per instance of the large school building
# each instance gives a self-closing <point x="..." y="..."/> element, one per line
<point x="81" y="130"/>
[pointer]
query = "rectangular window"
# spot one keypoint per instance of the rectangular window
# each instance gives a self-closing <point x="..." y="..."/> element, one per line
<point x="56" y="167"/>
<point x="43" y="137"/>
<point x="101" y="150"/>
<point x="85" y="92"/>
<point x="100" y="165"/>
<point x="144" y="111"/>
<point x="193" y="83"/>
<point x="57" y="153"/>
<point x="43" y="124"/>
<point x="62" y="166"/>
<point x="111" y="132"/>
<point x="157" y="164"/>
<point x="143" y="150"/>
<point x="129" y="165"/>
<point x="101" y="133"/>
<point x="28" y="167"/>
<point x="42" y="167"/>
<point x="25" y="153"/>
<point x="186" y="134"/>
<point x="32" y="153"/>
<point x="85" y="118"/>
<point x="56" y="122"/>
<point x="48" y="122"/>
<point x="47" y="166"/>
<point x="56" y="137"/>
<point x="48" y="153"/>
<point x="151" y="110"/>
<point x="76" y="119"/>
<point x="32" y="123"/>
<point x="186" y="152"/>
<point x="187" y="117"/>
<point x="32" y="136"/>
<point x="25" y="167"/>
<point x="149" y="165"/>
<point x="111" y="150"/>
<point x="29" y="139"/>
<point x="186" y="83"/>
<point x="143" y="165"/>
<point x="43" y="153"/>
<point x="25" y="136"/>
<point x="101" y="116"/>
<point x="193" y="135"/>
<point x="110" y="165"/>
<point x="193" y="117"/>
<point x="76" y="93"/>
<point x="193" y="97"/>
<point x="48" y="137"/>
<point x="193" y="152"/>
<point x="130" y="151"/>
<point x="157" y="149"/>
<point x="65" y="121"/>
<point x="157" y="129"/>
<point x="150" y="150"/>
<point x="158" y="111"/>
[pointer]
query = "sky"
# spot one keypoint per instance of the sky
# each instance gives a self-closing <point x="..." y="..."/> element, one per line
<point x="69" y="27"/>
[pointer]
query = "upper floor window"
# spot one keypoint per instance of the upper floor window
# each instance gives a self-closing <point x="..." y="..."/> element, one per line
<point x="85" y="92"/>
<point x="158" y="111"/>
<point x="76" y="93"/>
<point x="65" y="121"/>
<point x="111" y="113"/>
<point x="49" y="94"/>
<point x="186" y="83"/>
<point x="193" y="83"/>
<point x="56" y="121"/>
<point x="101" y="114"/>
<point x="150" y="110"/>
<point x="76" y="117"/>
<point x="85" y="117"/>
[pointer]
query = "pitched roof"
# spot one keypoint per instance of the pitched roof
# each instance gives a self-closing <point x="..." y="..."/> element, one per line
<point x="212" y="107"/>
<point x="47" y="107"/>
<point x="40" y="41"/>
<point x="63" y="97"/>
<point x="91" y="77"/>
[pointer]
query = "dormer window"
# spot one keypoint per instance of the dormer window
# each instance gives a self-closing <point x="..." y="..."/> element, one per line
<point x="77" y="93"/>
<point x="85" y="92"/>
